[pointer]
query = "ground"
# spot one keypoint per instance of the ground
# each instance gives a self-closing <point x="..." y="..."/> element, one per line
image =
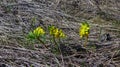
<point x="102" y="50"/>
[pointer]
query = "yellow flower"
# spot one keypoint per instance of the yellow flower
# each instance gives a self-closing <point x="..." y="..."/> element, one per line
<point x="38" y="31"/>
<point x="56" y="32"/>
<point x="52" y="30"/>
<point x="62" y="35"/>
<point x="84" y="29"/>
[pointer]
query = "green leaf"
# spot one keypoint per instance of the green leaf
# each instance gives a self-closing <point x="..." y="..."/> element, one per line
<point x="31" y="36"/>
<point x="43" y="37"/>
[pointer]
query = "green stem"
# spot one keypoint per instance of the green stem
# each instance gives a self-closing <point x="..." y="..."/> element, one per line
<point x="55" y="41"/>
<point x="86" y="40"/>
<point x="58" y="48"/>
<point x="57" y="45"/>
<point x="42" y="42"/>
<point x="100" y="33"/>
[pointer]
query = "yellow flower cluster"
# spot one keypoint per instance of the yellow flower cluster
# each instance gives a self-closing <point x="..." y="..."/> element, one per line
<point x="84" y="30"/>
<point x="57" y="33"/>
<point x="38" y="31"/>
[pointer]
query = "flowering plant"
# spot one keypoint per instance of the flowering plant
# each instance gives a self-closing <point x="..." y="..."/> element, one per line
<point x="84" y="31"/>
<point x="56" y="33"/>
<point x="37" y="34"/>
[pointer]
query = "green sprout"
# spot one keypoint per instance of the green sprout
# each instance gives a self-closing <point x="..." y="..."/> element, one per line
<point x="84" y="31"/>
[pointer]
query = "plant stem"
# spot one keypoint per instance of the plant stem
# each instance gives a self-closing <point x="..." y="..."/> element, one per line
<point x="42" y="42"/>
<point x="86" y="40"/>
<point x="59" y="49"/>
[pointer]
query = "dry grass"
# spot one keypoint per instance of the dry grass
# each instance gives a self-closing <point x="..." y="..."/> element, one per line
<point x="15" y="23"/>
